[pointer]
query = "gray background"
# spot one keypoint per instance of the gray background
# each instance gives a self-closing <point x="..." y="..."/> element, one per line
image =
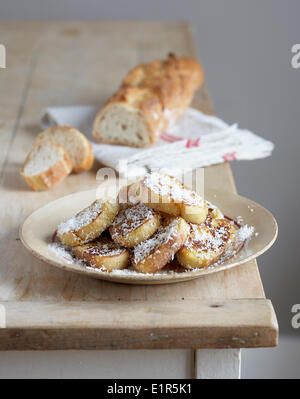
<point x="245" y="47"/>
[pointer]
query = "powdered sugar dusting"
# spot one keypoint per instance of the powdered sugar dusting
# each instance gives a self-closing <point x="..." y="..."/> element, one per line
<point x="82" y="219"/>
<point x="171" y="187"/>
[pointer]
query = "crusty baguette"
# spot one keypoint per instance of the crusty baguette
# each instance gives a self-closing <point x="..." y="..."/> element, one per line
<point x="153" y="254"/>
<point x="151" y="97"/>
<point x="88" y="224"/>
<point x="167" y="194"/>
<point x="75" y="143"/>
<point x="47" y="164"/>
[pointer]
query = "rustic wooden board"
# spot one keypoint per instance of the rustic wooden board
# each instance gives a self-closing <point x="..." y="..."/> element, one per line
<point x="138" y="324"/>
<point x="69" y="63"/>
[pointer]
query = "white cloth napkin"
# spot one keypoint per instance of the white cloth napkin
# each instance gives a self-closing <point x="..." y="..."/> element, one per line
<point x="196" y="140"/>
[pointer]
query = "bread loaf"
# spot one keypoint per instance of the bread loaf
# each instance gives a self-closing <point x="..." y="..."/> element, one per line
<point x="151" y="97"/>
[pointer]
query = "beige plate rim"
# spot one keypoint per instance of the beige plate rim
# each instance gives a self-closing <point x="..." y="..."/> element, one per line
<point x="33" y="237"/>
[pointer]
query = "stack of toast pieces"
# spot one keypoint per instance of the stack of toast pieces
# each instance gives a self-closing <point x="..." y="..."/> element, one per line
<point x="160" y="221"/>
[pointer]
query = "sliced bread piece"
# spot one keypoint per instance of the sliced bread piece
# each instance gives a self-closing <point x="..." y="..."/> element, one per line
<point x="206" y="243"/>
<point x="153" y="254"/>
<point x="134" y="224"/>
<point x="103" y="253"/>
<point x="167" y="194"/>
<point x="75" y="143"/>
<point x="47" y="164"/>
<point x="87" y="224"/>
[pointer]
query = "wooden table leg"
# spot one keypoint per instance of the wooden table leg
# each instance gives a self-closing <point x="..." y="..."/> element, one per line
<point x="218" y="363"/>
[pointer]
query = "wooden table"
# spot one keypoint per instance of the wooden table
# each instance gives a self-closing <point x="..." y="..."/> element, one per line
<point x="209" y="319"/>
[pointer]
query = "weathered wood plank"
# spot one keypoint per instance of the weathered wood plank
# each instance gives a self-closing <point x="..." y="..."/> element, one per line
<point x="179" y="324"/>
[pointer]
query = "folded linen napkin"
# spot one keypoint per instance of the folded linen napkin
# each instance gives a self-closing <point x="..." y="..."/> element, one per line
<point x="196" y="140"/>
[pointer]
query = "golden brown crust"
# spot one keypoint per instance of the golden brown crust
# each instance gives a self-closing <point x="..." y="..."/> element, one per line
<point x="51" y="176"/>
<point x="160" y="91"/>
<point x="173" y="80"/>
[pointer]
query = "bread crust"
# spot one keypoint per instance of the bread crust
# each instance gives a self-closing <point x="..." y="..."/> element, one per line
<point x="159" y="92"/>
<point x="51" y="176"/>
<point x="86" y="147"/>
<point x="162" y="253"/>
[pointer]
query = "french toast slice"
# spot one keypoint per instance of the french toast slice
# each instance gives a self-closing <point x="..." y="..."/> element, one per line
<point x="88" y="224"/>
<point x="103" y="253"/>
<point x="206" y="243"/>
<point x="153" y="254"/>
<point x="134" y="224"/>
<point x="169" y="195"/>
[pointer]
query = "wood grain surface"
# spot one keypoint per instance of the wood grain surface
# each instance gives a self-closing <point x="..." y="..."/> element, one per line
<point x="69" y="63"/>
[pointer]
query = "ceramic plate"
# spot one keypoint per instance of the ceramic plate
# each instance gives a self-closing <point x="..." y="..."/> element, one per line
<point x="37" y="231"/>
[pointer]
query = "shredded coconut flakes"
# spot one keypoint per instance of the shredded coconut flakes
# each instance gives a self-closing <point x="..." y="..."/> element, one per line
<point x="82" y="219"/>
<point x="208" y="238"/>
<point x="212" y="239"/>
<point x="103" y="248"/>
<point x="131" y="218"/>
<point x="145" y="248"/>
<point x="171" y="187"/>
